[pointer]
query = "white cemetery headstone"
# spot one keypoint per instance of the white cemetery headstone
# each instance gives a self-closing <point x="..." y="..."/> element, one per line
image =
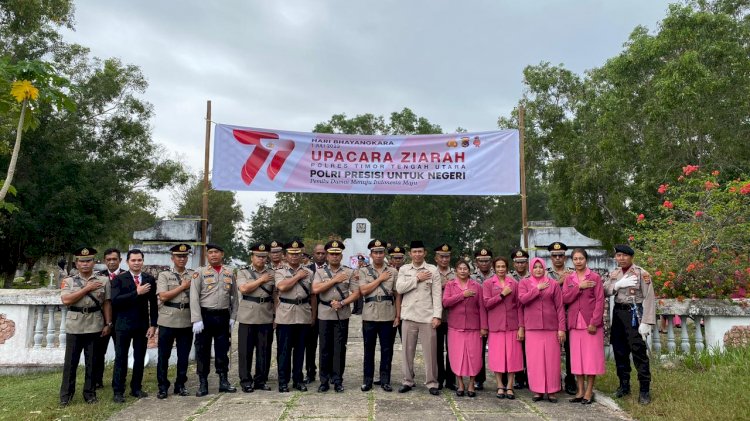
<point x="357" y="244"/>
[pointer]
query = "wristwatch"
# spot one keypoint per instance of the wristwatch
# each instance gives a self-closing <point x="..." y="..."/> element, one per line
<point x="109" y="324"/>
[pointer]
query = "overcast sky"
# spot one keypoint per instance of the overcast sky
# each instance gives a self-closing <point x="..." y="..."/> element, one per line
<point x="291" y="64"/>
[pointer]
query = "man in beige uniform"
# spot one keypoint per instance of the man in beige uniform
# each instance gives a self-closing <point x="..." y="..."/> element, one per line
<point x="294" y="317"/>
<point x="633" y="318"/>
<point x="213" y="310"/>
<point x="380" y="316"/>
<point x="445" y="374"/>
<point x="421" y="311"/>
<point x="275" y="255"/>
<point x="255" y="315"/>
<point x="173" y="291"/>
<point x="89" y="317"/>
<point x="336" y="289"/>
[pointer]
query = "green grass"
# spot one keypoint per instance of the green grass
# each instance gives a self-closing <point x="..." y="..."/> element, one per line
<point x="37" y="397"/>
<point x="692" y="387"/>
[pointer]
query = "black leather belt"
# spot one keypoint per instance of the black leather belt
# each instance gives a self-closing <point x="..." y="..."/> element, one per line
<point x="259" y="300"/>
<point x="84" y="310"/>
<point x="379" y="298"/>
<point x="620" y="306"/>
<point x="215" y="310"/>
<point x="296" y="301"/>
<point x="325" y="303"/>
<point x="180" y="306"/>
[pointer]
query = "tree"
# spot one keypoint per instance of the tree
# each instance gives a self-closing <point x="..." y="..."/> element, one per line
<point x="677" y="96"/>
<point x="224" y="214"/>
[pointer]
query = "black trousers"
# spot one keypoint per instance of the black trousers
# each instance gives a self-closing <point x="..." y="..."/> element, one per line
<point x="386" y="334"/>
<point x="569" y="382"/>
<point x="311" y="348"/>
<point x="258" y="339"/>
<point x="100" y="350"/>
<point x="167" y="337"/>
<point x="625" y="341"/>
<point x="521" y="377"/>
<point x="75" y="343"/>
<point x="216" y="329"/>
<point x="481" y="377"/>
<point x="445" y="374"/>
<point x="290" y="351"/>
<point x="123" y="338"/>
<point x="333" y="337"/>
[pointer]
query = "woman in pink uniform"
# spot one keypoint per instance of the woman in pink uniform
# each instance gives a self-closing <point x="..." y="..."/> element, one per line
<point x="583" y="292"/>
<point x="505" y="323"/>
<point x="544" y="322"/>
<point x="467" y="323"/>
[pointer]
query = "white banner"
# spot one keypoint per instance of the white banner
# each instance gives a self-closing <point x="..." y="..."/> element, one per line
<point x="481" y="163"/>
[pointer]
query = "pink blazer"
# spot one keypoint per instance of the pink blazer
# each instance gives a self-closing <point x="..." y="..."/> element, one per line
<point x="542" y="310"/>
<point x="464" y="313"/>
<point x="503" y="313"/>
<point x="589" y="302"/>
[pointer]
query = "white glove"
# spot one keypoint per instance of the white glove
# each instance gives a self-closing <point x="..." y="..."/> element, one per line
<point x="626" y="282"/>
<point x="644" y="329"/>
<point x="231" y="323"/>
<point x="198" y="327"/>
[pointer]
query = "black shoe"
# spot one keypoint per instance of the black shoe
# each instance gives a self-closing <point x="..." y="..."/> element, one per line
<point x="404" y="388"/>
<point x="644" y="398"/>
<point x="224" y="385"/>
<point x="248" y="389"/>
<point x="262" y="386"/>
<point x="511" y="395"/>
<point x="624" y="389"/>
<point x="478" y="386"/>
<point x="366" y="387"/>
<point x="500" y="393"/>
<point x="162" y="394"/>
<point x="180" y="391"/>
<point x="118" y="398"/>
<point x="99" y="385"/>
<point x="309" y="379"/>
<point x="376" y="382"/>
<point x="459" y="393"/>
<point x="338" y="388"/>
<point x="66" y="402"/>
<point x="202" y="387"/>
<point x="92" y="400"/>
<point x="552" y="399"/>
<point x="471" y="394"/>
<point x="434" y="391"/>
<point x="577" y="399"/>
<point x="571" y="390"/>
<point x="139" y="394"/>
<point x="537" y="398"/>
<point x="323" y="387"/>
<point x="283" y="388"/>
<point x="588" y="401"/>
<point x="518" y="385"/>
<point x="387" y="387"/>
<point x="300" y="386"/>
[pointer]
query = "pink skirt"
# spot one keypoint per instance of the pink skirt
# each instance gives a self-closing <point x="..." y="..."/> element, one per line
<point x="543" y="361"/>
<point x="586" y="351"/>
<point x="505" y="353"/>
<point x="465" y="351"/>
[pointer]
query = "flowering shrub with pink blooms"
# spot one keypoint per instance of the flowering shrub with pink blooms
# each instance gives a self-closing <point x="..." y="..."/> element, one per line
<point x="697" y="244"/>
<point x="737" y="337"/>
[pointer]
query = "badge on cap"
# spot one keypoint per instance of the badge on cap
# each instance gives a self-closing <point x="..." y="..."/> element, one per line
<point x="85" y="252"/>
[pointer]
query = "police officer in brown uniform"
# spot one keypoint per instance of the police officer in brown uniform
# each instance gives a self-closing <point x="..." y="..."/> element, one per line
<point x="336" y="289"/>
<point x="173" y="291"/>
<point x="255" y="315"/>
<point x="88" y="318"/>
<point x="559" y="272"/>
<point x="275" y="255"/>
<point x="447" y="274"/>
<point x="483" y="270"/>
<point x="311" y="347"/>
<point x="380" y="315"/>
<point x="213" y="310"/>
<point x="632" y="320"/>
<point x="294" y="316"/>
<point x="396" y="255"/>
<point x="421" y="311"/>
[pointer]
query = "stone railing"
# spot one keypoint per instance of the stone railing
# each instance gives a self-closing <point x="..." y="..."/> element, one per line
<point x="718" y="317"/>
<point x="32" y="332"/>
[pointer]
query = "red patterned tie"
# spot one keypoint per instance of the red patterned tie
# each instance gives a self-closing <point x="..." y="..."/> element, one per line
<point x="111" y="276"/>
<point x="137" y="280"/>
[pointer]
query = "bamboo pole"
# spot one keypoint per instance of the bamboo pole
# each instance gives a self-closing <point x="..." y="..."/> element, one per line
<point x="206" y="186"/>
<point x="524" y="211"/>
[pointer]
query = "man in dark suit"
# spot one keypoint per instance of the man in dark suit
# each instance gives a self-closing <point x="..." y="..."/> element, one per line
<point x="112" y="259"/>
<point x="134" y="303"/>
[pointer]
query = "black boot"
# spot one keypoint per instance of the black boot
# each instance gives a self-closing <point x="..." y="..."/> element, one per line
<point x="202" y="387"/>
<point x="224" y="385"/>
<point x="624" y="388"/>
<point x="644" y="398"/>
